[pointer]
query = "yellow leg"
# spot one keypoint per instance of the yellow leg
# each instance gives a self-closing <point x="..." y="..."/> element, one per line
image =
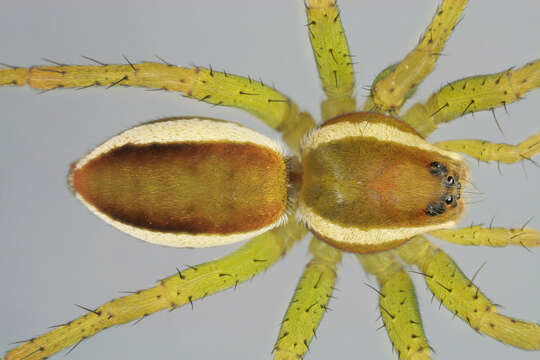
<point x="309" y="302"/>
<point x="488" y="151"/>
<point x="219" y="88"/>
<point x="332" y="55"/>
<point x="481" y="236"/>
<point x="172" y="292"/>
<point x="471" y="94"/>
<point x="455" y="291"/>
<point x="399" y="81"/>
<point x="369" y="104"/>
<point x="398" y="305"/>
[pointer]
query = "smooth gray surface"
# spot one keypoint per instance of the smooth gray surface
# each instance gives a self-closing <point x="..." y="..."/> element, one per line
<point x="54" y="253"/>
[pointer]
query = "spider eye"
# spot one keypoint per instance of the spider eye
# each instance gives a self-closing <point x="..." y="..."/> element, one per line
<point x="435" y="208"/>
<point x="449" y="199"/>
<point x="450" y="181"/>
<point x="437" y="169"/>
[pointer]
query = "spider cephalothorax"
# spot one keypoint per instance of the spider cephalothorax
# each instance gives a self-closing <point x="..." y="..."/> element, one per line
<point x="364" y="181"/>
<point x="368" y="183"/>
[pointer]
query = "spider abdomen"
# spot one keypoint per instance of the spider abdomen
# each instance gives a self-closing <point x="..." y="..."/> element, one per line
<point x="185" y="182"/>
<point x="370" y="183"/>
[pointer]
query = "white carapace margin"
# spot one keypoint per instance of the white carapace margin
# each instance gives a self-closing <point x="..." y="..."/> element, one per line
<point x="353" y="235"/>
<point x="379" y="131"/>
<point x="382" y="132"/>
<point x="177" y="131"/>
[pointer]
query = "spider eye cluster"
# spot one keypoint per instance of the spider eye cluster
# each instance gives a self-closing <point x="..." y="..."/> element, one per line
<point x="451" y="192"/>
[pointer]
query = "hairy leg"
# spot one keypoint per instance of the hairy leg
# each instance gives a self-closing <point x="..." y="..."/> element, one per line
<point x="488" y="151"/>
<point x="457" y="293"/>
<point x="334" y="61"/>
<point x="309" y="302"/>
<point x="471" y="94"/>
<point x="203" y="84"/>
<point x="398" y="305"/>
<point x="481" y="236"/>
<point x="396" y="83"/>
<point x="170" y="293"/>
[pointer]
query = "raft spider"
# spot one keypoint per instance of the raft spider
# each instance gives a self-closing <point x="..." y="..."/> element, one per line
<point x="261" y="60"/>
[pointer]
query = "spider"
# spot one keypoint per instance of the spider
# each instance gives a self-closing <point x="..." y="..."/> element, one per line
<point x="58" y="309"/>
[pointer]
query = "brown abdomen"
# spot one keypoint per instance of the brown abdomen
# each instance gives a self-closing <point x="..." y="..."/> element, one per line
<point x="205" y="188"/>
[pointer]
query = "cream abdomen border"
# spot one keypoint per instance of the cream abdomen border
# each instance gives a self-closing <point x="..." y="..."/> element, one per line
<point x="183" y="130"/>
<point x="182" y="239"/>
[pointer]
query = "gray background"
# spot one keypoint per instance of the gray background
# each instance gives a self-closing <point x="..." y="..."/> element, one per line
<point x="54" y="253"/>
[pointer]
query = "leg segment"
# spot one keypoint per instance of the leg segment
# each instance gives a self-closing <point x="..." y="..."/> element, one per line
<point x="332" y="55"/>
<point x="397" y="82"/>
<point x="218" y="88"/>
<point x="398" y="305"/>
<point x="455" y="291"/>
<point x="487" y="151"/>
<point x="170" y="293"/>
<point x="471" y="94"/>
<point x="309" y="302"/>
<point x="481" y="236"/>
